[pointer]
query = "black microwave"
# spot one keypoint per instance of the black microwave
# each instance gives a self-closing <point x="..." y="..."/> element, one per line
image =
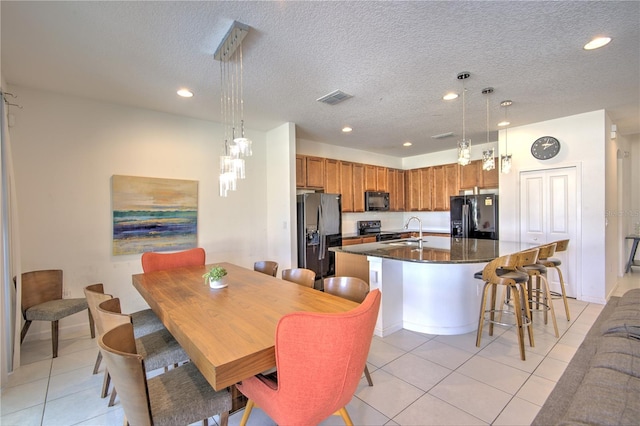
<point x="376" y="201"/>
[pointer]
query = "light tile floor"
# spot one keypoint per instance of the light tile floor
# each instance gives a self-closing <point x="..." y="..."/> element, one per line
<point x="419" y="379"/>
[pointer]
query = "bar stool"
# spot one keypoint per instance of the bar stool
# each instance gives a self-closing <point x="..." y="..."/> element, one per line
<point x="503" y="271"/>
<point x="538" y="273"/>
<point x="554" y="263"/>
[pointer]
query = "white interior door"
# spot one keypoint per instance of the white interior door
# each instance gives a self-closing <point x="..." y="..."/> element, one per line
<point x="548" y="213"/>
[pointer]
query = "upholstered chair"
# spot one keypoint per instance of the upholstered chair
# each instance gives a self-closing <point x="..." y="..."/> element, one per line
<point x="268" y="267"/>
<point x="302" y="276"/>
<point x="319" y="360"/>
<point x="152" y="261"/>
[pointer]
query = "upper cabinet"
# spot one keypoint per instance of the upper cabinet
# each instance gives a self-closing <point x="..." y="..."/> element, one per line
<point x="309" y="172"/>
<point x="445" y="184"/>
<point x="472" y="175"/>
<point x="423" y="189"/>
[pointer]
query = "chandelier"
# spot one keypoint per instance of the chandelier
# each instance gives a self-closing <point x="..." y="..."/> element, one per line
<point x="464" y="145"/>
<point x="236" y="146"/>
<point x="505" y="160"/>
<point x="488" y="163"/>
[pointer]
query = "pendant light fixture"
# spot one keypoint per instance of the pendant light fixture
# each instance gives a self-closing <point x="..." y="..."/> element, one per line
<point x="229" y="53"/>
<point x="505" y="160"/>
<point x="488" y="163"/>
<point x="464" y="145"/>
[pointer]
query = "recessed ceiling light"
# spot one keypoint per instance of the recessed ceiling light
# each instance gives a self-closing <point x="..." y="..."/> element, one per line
<point x="503" y="123"/>
<point x="597" y="42"/>
<point x="407" y="144"/>
<point x="450" y="96"/>
<point x="347" y="129"/>
<point x="185" y="93"/>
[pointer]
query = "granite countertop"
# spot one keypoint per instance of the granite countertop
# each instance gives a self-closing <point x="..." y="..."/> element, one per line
<point x="437" y="249"/>
<point x="396" y="231"/>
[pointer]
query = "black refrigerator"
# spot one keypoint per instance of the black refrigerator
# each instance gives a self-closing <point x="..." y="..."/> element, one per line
<point x="319" y="224"/>
<point x="474" y="216"/>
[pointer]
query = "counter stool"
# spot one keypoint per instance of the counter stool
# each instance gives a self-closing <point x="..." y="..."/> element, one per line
<point x="554" y="263"/>
<point x="503" y="272"/>
<point x="538" y="273"/>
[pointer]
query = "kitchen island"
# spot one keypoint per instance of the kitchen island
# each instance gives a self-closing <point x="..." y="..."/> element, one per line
<point x="430" y="289"/>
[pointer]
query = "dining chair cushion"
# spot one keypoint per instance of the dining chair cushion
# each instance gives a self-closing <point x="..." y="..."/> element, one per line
<point x="145" y="322"/>
<point x="191" y="390"/>
<point x="55" y="310"/>
<point x="160" y="349"/>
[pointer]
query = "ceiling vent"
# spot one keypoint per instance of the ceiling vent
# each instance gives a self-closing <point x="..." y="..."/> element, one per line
<point x="442" y="135"/>
<point x="334" y="97"/>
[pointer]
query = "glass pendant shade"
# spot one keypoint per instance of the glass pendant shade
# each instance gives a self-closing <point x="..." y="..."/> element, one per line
<point x="505" y="163"/>
<point x="488" y="163"/>
<point x="464" y="152"/>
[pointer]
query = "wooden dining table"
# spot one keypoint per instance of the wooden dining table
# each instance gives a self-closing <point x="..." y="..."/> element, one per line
<point x="229" y="333"/>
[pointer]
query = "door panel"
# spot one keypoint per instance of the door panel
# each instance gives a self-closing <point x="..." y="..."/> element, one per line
<point x="548" y="211"/>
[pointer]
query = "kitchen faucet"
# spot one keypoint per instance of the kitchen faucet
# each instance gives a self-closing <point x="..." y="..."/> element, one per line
<point x="406" y="226"/>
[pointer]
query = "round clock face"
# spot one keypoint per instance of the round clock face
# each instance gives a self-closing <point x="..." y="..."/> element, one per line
<point x="545" y="148"/>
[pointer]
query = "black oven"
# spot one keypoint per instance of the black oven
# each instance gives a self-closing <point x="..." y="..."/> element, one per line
<point x="376" y="201"/>
<point x="373" y="227"/>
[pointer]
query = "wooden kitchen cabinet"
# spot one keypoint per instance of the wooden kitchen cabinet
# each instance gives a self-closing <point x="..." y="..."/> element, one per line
<point x="358" y="240"/>
<point x="396" y="184"/>
<point x="426" y="192"/>
<point x="472" y="175"/>
<point x="490" y="178"/>
<point x="358" y="187"/>
<point x="309" y="172"/>
<point x="418" y="189"/>
<point x="370" y="178"/>
<point x="382" y="179"/>
<point x="331" y="176"/>
<point x="346" y="185"/>
<point x="445" y="184"/>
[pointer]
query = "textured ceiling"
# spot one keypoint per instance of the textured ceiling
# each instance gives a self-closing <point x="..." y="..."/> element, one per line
<point x="396" y="58"/>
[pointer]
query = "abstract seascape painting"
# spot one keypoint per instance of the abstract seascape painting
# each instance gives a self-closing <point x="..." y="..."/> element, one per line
<point x="152" y="214"/>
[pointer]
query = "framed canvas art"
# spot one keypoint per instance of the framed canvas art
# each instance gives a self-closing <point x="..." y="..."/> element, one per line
<point x="153" y="214"/>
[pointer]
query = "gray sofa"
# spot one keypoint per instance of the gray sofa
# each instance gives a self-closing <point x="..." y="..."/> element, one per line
<point x="601" y="385"/>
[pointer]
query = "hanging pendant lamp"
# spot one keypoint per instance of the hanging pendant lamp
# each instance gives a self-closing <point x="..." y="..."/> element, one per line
<point x="505" y="160"/>
<point x="464" y="145"/>
<point x="488" y="163"/>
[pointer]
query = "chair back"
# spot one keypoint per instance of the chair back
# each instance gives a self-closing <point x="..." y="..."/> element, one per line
<point x="562" y="245"/>
<point x="302" y="276"/>
<point x="546" y="251"/>
<point x="507" y="262"/>
<point x="40" y="286"/>
<point x="95" y="296"/>
<point x="528" y="257"/>
<point x="268" y="267"/>
<point x="109" y="316"/>
<point x="126" y="368"/>
<point x="152" y="261"/>
<point x="351" y="288"/>
<point x="335" y="346"/>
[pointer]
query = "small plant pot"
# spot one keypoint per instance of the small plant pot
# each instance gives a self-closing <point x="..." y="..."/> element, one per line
<point x="215" y="284"/>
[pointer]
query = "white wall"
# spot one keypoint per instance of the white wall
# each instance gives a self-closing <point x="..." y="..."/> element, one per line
<point x="583" y="145"/>
<point x="66" y="150"/>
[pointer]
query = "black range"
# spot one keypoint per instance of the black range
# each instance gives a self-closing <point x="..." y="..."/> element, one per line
<point x="374" y="227"/>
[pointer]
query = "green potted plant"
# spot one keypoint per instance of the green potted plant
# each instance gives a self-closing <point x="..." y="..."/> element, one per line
<point x="215" y="277"/>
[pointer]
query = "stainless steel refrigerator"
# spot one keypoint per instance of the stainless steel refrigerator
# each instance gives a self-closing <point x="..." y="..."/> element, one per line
<point x="319" y="218"/>
<point x="474" y="216"/>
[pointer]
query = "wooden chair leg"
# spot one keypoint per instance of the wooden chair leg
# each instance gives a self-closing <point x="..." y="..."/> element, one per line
<point x="92" y="325"/>
<point x="367" y="375"/>
<point x="25" y="328"/>
<point x="205" y="422"/>
<point x="98" y="361"/>
<point x="247" y="412"/>
<point x="345" y="416"/>
<point x="105" y="384"/>
<point x="54" y="338"/>
<point x="549" y="301"/>
<point x="518" y="315"/>
<point x="564" y="293"/>
<point x="112" y="400"/>
<point x="527" y="312"/>
<point x="224" y="418"/>
<point x="492" y="312"/>
<point x="483" y="304"/>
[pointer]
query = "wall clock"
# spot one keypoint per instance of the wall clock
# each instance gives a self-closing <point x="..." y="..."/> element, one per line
<point x="545" y="148"/>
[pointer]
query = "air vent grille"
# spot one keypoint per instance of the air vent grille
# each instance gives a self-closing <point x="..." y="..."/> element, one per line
<point x="334" y="97"/>
<point x="442" y="135"/>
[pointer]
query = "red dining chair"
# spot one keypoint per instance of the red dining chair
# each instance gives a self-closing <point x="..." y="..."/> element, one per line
<point x="336" y="345"/>
<point x="152" y="261"/>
